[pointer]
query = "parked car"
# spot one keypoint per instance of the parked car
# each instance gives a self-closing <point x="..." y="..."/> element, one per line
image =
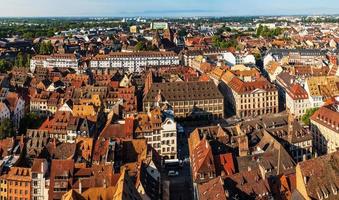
<point x="173" y="173"/>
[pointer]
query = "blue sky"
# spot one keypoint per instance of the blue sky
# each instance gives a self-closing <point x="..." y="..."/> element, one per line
<point x="166" y="7"/>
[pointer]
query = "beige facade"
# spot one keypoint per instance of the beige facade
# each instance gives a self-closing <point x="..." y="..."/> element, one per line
<point x="258" y="103"/>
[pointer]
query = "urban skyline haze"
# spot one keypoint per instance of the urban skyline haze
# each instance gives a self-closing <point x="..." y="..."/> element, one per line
<point x="165" y="8"/>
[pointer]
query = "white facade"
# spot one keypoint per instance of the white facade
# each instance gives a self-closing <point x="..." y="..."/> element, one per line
<point x="297" y="107"/>
<point x="238" y="59"/>
<point x="169" y="138"/>
<point x="325" y="140"/>
<point x="134" y="61"/>
<point x="54" y="61"/>
<point x="39" y="189"/>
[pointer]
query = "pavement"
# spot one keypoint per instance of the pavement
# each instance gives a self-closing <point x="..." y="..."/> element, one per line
<point x="181" y="185"/>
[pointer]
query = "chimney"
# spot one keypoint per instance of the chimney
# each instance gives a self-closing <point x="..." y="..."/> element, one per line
<point x="42" y="167"/>
<point x="80" y="186"/>
<point x="105" y="186"/>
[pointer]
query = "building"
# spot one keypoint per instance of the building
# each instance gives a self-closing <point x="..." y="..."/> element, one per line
<point x="190" y="55"/>
<point x="250" y="99"/>
<point x="16" y="105"/>
<point x="318" y="178"/>
<point x="19" y="182"/>
<point x="325" y="128"/>
<point x="297" y="101"/>
<point x="321" y="88"/>
<point x="40" y="184"/>
<point x="232" y="59"/>
<point x="313" y="57"/>
<point x="133" y="62"/>
<point x="55" y="61"/>
<point x="296" y="139"/>
<point x="61" y="178"/>
<point x="188" y="99"/>
<point x="159" y="131"/>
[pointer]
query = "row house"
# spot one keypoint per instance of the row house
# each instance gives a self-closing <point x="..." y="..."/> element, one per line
<point x="134" y="61"/>
<point x="45" y="103"/>
<point x="55" y="61"/>
<point x="159" y="130"/>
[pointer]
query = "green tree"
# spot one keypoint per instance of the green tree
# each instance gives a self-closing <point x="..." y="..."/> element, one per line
<point x="306" y="117"/>
<point x="6" y="129"/>
<point x="30" y="121"/>
<point x="28" y="35"/>
<point x="4" y="66"/>
<point x="46" y="48"/>
<point x="140" y="46"/>
<point x="19" y="61"/>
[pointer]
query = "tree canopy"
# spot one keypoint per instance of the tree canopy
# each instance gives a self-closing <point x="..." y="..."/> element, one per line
<point x="264" y="31"/>
<point x="6" y="129"/>
<point x="306" y="117"/>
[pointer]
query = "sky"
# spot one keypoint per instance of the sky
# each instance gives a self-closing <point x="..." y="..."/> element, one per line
<point x="165" y="8"/>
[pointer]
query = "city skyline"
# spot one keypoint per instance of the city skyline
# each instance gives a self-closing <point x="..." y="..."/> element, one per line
<point x="161" y="8"/>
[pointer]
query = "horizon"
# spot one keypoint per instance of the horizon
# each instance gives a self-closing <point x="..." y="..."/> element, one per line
<point x="162" y="8"/>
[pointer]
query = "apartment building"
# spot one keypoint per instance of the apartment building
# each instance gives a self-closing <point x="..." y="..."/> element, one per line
<point x="19" y="182"/>
<point x="297" y="101"/>
<point x="251" y="99"/>
<point x="193" y="99"/>
<point x="55" y="61"/>
<point x="325" y="128"/>
<point x="134" y="61"/>
<point x="40" y="184"/>
<point x="160" y="131"/>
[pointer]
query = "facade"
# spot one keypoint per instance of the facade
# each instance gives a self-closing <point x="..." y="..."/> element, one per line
<point x="325" y="128"/>
<point x="159" y="131"/>
<point x="16" y="105"/>
<point x="188" y="99"/>
<point x="297" y="101"/>
<point x="134" y="61"/>
<point x="55" y="61"/>
<point x="40" y="184"/>
<point x="238" y="59"/>
<point x="250" y="99"/>
<point x="19" y="182"/>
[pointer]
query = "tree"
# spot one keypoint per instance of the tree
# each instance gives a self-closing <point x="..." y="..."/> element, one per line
<point x="22" y="60"/>
<point x="140" y="46"/>
<point x="6" y="129"/>
<point x="306" y="117"/>
<point x="30" y="121"/>
<point x="28" y="35"/>
<point x="46" y="48"/>
<point x="4" y="66"/>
